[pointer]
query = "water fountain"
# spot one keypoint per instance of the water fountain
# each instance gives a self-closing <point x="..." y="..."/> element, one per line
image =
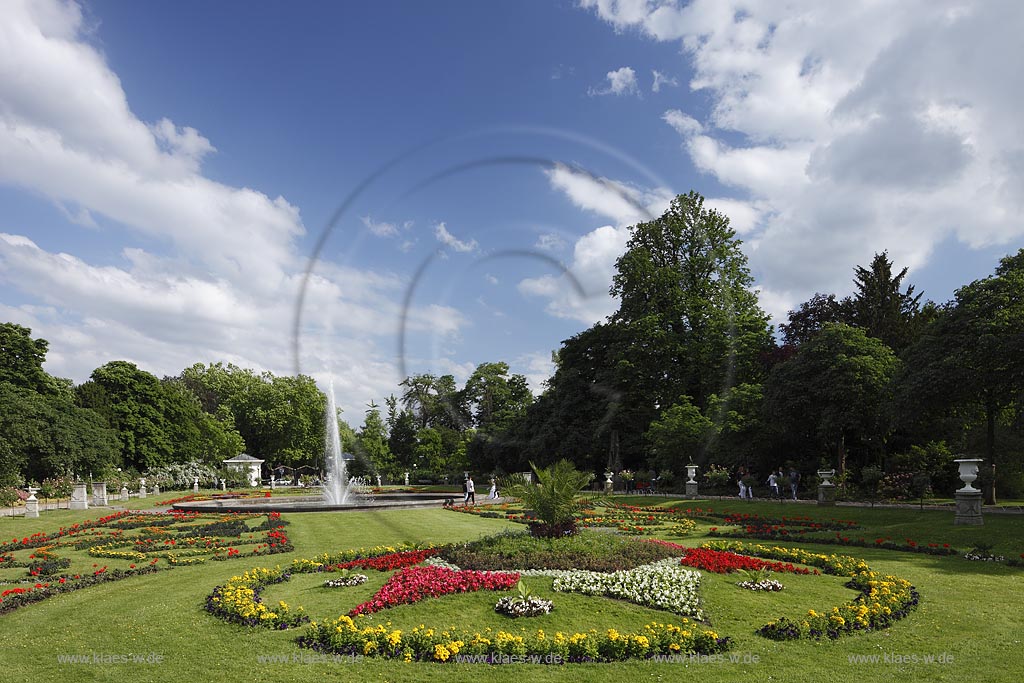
<point x="336" y="486"/>
<point x="340" y="492"/>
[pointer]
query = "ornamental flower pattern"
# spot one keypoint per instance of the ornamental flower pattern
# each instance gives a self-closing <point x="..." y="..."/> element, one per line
<point x="663" y="584"/>
<point x="413" y="584"/>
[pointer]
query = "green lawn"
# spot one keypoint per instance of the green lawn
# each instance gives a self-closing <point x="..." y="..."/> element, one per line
<point x="970" y="612"/>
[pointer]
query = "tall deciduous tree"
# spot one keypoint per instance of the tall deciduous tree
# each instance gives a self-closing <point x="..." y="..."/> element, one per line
<point x="972" y="357"/>
<point x="22" y="358"/>
<point x="835" y="393"/>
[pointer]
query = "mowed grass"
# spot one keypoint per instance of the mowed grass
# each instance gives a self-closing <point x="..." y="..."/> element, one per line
<point x="970" y="612"/>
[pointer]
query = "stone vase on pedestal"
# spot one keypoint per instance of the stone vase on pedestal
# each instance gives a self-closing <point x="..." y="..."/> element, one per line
<point x="968" y="498"/>
<point x="32" y="504"/>
<point x="609" y="485"/>
<point x="79" y="497"/>
<point x="142" y="487"/>
<point x="124" y="493"/>
<point x="826" y="489"/>
<point x="691" y="482"/>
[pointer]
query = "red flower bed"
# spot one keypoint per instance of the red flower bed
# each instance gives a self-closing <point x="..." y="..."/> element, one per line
<point x="722" y="562"/>
<point x="413" y="584"/>
<point x="389" y="562"/>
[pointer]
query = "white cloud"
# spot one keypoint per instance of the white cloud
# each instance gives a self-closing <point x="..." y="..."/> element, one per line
<point x="617" y="201"/>
<point x="450" y="240"/>
<point x="380" y="229"/>
<point x="849" y="128"/>
<point x="550" y="242"/>
<point x="622" y="81"/>
<point x="219" y="278"/>
<point x="491" y="280"/>
<point x="584" y="296"/>
<point x="662" y="81"/>
<point x="536" y="367"/>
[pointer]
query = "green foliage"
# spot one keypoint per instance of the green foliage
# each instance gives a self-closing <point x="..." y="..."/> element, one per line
<point x="678" y="436"/>
<point x="22" y="358"/>
<point x="587" y="550"/>
<point x="834" y="393"/>
<point x="553" y="498"/>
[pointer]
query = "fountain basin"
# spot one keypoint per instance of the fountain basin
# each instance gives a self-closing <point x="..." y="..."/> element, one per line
<point x="380" y="501"/>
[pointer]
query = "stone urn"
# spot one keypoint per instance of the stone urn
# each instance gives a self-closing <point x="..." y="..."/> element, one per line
<point x="826" y="476"/>
<point x="968" y="473"/>
<point x="691" y="472"/>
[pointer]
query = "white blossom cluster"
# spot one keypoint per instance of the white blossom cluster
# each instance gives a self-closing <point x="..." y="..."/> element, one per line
<point x="438" y="562"/>
<point x="664" y="584"/>
<point x="519" y="607"/>
<point x="770" y="585"/>
<point x="353" y="580"/>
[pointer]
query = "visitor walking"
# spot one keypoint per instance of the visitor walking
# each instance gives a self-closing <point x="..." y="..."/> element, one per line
<point x="494" y="489"/>
<point x="773" y="485"/>
<point x="470" y="491"/>
<point x="465" y="491"/>
<point x="794" y="481"/>
<point x="740" y="474"/>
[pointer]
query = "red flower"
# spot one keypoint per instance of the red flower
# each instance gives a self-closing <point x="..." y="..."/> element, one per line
<point x="416" y="583"/>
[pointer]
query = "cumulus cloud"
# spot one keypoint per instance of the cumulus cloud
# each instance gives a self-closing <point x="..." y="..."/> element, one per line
<point x="450" y="240"/>
<point x="662" y="81"/>
<point x="219" y="277"/>
<point x="851" y="128"/>
<point x="622" y="81"/>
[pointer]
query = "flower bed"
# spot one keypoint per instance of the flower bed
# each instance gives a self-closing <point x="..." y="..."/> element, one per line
<point x="515" y="607"/>
<point x="239" y="601"/>
<point x="724" y="562"/>
<point x="344" y="636"/>
<point x="346" y="581"/>
<point x="663" y="585"/>
<point x="413" y="584"/>
<point x="882" y="599"/>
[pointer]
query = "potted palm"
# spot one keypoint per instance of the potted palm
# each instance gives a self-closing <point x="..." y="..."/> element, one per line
<point x="553" y="498"/>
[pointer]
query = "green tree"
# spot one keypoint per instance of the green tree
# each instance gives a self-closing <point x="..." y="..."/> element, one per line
<point x="373" y="440"/>
<point x="807" y="320"/>
<point x="495" y="398"/>
<point x="133" y="402"/>
<point x="881" y="307"/>
<point x="835" y="394"/>
<point x="685" y="292"/>
<point x="22" y="358"/>
<point x="679" y="436"/>
<point x="971" y="360"/>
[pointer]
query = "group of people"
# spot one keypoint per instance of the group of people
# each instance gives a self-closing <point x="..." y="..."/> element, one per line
<point x="469" y="491"/>
<point x="774" y="481"/>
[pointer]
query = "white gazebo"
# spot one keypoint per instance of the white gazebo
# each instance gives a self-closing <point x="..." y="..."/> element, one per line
<point x="245" y="462"/>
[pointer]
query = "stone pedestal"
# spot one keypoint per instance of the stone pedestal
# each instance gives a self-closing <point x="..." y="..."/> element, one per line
<point x="142" y="488"/>
<point x="826" y="494"/>
<point x="406" y="478"/>
<point x="32" y="504"/>
<point x="691" y="489"/>
<point x="223" y="485"/>
<point x="124" y="493"/>
<point x="968" y="508"/>
<point x="156" y="489"/>
<point x="195" y="485"/>
<point x="79" y="497"/>
<point x="99" y="493"/>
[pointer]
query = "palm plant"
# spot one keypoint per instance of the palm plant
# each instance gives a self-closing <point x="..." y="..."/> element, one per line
<point x="553" y="498"/>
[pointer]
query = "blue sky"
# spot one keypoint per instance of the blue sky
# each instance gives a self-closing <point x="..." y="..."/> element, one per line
<point x="166" y="168"/>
